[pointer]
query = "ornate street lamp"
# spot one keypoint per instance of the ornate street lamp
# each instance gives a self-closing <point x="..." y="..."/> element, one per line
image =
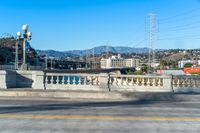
<point x="26" y="37"/>
<point x="16" y="49"/>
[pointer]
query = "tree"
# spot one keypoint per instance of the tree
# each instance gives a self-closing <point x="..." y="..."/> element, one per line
<point x="188" y="65"/>
<point x="163" y="64"/>
<point x="144" y="68"/>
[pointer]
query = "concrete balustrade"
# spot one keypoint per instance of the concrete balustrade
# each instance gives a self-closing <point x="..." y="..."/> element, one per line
<point x="98" y="82"/>
<point x="140" y="83"/>
<point x="65" y="81"/>
<point x="186" y="83"/>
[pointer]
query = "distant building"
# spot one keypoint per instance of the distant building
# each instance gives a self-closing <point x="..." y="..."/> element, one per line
<point x="170" y="72"/>
<point x="191" y="70"/>
<point x="155" y="64"/>
<point x="118" y="62"/>
<point x="183" y="62"/>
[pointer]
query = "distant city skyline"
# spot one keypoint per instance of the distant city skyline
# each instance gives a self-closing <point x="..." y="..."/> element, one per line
<point x="83" y="24"/>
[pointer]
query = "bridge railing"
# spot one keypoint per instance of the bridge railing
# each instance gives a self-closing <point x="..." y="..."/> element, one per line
<point x="140" y="83"/>
<point x="98" y="82"/>
<point x="66" y="81"/>
<point x="185" y="83"/>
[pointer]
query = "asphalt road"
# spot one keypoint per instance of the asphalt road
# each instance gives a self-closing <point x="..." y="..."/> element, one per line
<point x="89" y="116"/>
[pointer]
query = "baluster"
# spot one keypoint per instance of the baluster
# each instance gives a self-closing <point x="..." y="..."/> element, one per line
<point x="148" y="83"/>
<point x="127" y="81"/>
<point x="187" y="81"/>
<point x="91" y="80"/>
<point x="69" y="80"/>
<point x="154" y="81"/>
<point x="57" y="79"/>
<point x="174" y="82"/>
<point x="183" y="83"/>
<point x="178" y="83"/>
<point x="63" y="80"/>
<point x="117" y="82"/>
<point x="51" y="79"/>
<point x="144" y="81"/>
<point x="132" y="81"/>
<point x="46" y="80"/>
<point x="85" y="80"/>
<point x="97" y="81"/>
<point x="111" y="80"/>
<point x="151" y="81"/>
<point x="196" y="83"/>
<point x="137" y="81"/>
<point x="122" y="81"/>
<point x="79" y="80"/>
<point x="159" y="82"/>
<point x="74" y="80"/>
<point x="191" y="83"/>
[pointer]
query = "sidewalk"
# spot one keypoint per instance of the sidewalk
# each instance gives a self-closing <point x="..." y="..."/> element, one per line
<point x="68" y="94"/>
<point x="98" y="95"/>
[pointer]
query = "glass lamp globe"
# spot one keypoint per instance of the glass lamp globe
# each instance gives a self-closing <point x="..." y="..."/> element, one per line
<point x="29" y="34"/>
<point x="25" y="27"/>
<point x="18" y="34"/>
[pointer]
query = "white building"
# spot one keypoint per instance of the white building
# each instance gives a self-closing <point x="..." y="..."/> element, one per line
<point x="118" y="62"/>
<point x="183" y="62"/>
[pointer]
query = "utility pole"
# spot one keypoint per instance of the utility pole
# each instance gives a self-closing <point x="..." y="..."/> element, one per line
<point x="93" y="60"/>
<point x="46" y="62"/>
<point x="16" y="54"/>
<point x="51" y="63"/>
<point x="107" y="52"/>
<point x="151" y="59"/>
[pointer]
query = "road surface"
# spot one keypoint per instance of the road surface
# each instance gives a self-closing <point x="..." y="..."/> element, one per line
<point x="18" y="115"/>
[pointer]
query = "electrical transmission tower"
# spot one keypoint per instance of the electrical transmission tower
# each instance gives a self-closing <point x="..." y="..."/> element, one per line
<point x="151" y="59"/>
<point x="106" y="51"/>
<point x="93" y="59"/>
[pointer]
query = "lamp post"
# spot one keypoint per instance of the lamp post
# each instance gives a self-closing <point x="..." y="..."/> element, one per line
<point x="16" y="49"/>
<point x="26" y="37"/>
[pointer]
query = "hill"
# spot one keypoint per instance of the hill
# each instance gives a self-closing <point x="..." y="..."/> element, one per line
<point x="95" y="50"/>
<point x="7" y="51"/>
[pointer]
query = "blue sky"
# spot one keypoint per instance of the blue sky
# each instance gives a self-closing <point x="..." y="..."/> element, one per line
<point x="82" y="24"/>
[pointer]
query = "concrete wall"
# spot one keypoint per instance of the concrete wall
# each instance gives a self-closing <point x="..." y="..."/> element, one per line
<point x="7" y="79"/>
<point x="21" y="79"/>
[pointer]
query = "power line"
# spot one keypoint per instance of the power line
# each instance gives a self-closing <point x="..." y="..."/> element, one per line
<point x="176" y="19"/>
<point x="180" y="14"/>
<point x="138" y="32"/>
<point x="162" y="39"/>
<point x="184" y="25"/>
<point x="181" y="37"/>
<point x="181" y="29"/>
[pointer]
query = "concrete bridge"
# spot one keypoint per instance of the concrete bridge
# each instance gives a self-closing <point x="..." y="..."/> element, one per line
<point x="102" y="82"/>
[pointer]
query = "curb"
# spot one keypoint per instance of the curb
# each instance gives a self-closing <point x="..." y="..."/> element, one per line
<point x="62" y="94"/>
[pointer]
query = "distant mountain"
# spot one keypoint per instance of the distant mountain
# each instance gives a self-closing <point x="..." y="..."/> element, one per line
<point x="53" y="53"/>
<point x="95" y="50"/>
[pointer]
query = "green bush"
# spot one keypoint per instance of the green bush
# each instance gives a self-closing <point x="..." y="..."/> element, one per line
<point x="198" y="73"/>
<point x="188" y="65"/>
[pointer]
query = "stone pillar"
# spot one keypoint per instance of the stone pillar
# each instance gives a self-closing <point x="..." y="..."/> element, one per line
<point x="38" y="80"/>
<point x="103" y="79"/>
<point x="3" y="84"/>
<point x="167" y="83"/>
<point x="7" y="79"/>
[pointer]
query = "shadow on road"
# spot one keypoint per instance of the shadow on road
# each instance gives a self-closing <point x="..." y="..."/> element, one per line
<point x="141" y="99"/>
